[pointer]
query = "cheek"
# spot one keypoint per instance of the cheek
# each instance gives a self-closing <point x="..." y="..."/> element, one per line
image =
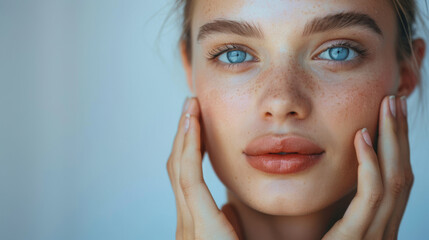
<point x="224" y="115"/>
<point x="357" y="105"/>
<point x="354" y="104"/>
<point x="350" y="108"/>
<point x="223" y="100"/>
<point x="223" y="109"/>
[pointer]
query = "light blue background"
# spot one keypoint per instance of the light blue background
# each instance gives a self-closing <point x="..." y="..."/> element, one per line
<point x="89" y="102"/>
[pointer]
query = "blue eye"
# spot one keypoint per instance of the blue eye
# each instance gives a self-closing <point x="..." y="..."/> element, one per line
<point x="338" y="54"/>
<point x="235" y="56"/>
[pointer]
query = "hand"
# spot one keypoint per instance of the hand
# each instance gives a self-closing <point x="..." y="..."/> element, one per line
<point x="384" y="179"/>
<point x="198" y="217"/>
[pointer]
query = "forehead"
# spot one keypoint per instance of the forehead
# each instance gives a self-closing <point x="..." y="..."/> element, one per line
<point x="290" y="15"/>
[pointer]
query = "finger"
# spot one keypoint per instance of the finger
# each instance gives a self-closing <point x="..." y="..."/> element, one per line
<point x="184" y="218"/>
<point x="391" y="231"/>
<point x="208" y="220"/>
<point x="362" y="208"/>
<point x="178" y="139"/>
<point x="177" y="151"/>
<point x="389" y="149"/>
<point x="402" y="117"/>
<point x="392" y="228"/>
<point x="195" y="191"/>
<point x="187" y="226"/>
<point x="173" y="162"/>
<point x="195" y="110"/>
<point x="403" y="133"/>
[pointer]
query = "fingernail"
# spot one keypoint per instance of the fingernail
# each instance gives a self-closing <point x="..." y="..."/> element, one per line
<point x="187" y="121"/>
<point x="392" y="105"/>
<point x="366" y="137"/>
<point x="404" y="105"/>
<point x="185" y="105"/>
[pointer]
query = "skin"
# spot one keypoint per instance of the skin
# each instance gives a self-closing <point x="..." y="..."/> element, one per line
<point x="357" y="191"/>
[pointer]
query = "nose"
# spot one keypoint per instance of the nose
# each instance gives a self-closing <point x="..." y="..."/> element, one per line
<point x="286" y="96"/>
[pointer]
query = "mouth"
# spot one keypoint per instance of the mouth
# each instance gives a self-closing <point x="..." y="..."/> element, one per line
<point x="284" y="153"/>
<point x="283" y="162"/>
<point x="293" y="153"/>
<point x="275" y="144"/>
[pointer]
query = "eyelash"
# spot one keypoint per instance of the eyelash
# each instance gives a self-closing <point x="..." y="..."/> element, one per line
<point x="362" y="52"/>
<point x="213" y="54"/>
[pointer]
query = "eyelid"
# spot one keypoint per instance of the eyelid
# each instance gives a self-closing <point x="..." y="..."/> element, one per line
<point x="213" y="57"/>
<point x="227" y="47"/>
<point x="361" y="51"/>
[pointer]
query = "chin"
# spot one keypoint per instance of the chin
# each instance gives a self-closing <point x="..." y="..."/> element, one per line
<point x="288" y="204"/>
<point x="293" y="197"/>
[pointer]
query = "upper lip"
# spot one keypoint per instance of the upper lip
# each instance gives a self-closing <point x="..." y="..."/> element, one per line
<point x="286" y="144"/>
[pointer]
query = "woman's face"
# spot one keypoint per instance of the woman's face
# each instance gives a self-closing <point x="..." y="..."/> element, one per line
<point x="302" y="68"/>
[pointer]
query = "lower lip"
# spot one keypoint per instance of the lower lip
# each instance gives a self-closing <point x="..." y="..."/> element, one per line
<point x="283" y="164"/>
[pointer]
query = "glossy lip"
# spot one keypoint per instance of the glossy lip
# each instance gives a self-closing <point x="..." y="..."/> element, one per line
<point x="298" y="153"/>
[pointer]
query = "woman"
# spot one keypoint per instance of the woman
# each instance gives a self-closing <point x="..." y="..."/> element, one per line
<point x="301" y="108"/>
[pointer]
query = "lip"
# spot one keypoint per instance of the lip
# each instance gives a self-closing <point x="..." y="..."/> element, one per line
<point x="299" y="153"/>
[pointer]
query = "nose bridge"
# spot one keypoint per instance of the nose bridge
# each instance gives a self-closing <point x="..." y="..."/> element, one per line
<point x="286" y="92"/>
<point x="284" y="77"/>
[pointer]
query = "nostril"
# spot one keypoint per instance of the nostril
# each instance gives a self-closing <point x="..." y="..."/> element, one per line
<point x="268" y="114"/>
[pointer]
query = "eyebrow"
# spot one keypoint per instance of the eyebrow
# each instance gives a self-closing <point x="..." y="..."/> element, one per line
<point x="242" y="28"/>
<point x="319" y="24"/>
<point x="341" y="20"/>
